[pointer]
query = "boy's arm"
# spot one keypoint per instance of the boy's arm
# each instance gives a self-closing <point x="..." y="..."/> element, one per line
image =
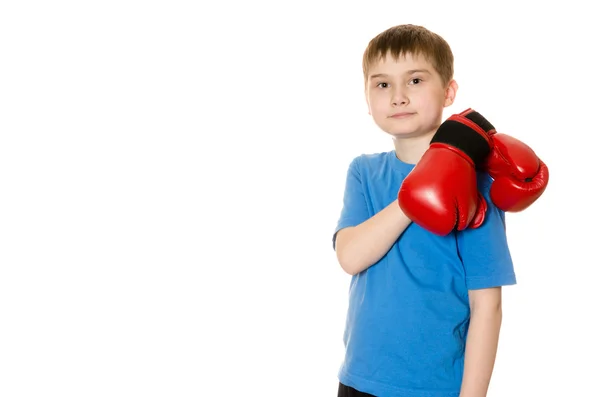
<point x="361" y="246"/>
<point x="482" y="341"/>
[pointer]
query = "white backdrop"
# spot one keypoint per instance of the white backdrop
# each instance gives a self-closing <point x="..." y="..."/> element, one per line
<point x="171" y="174"/>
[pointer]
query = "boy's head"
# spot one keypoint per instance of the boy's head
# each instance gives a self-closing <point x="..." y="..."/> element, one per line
<point x="408" y="72"/>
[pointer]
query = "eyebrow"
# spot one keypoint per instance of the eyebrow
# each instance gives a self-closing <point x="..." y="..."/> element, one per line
<point x="412" y="71"/>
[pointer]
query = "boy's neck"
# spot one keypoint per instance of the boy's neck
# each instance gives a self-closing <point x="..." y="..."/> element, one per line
<point x="410" y="150"/>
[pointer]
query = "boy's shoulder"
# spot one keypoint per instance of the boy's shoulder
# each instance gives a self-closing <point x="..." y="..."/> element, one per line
<point x="370" y="160"/>
<point x="374" y="156"/>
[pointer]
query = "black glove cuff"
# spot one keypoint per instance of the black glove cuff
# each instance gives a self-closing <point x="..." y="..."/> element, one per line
<point x="465" y="139"/>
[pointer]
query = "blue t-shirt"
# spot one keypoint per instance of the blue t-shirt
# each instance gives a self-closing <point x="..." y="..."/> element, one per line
<point x="408" y="314"/>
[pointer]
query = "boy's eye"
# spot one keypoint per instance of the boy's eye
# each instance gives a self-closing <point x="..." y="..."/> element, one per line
<point x="415" y="81"/>
<point x="382" y="85"/>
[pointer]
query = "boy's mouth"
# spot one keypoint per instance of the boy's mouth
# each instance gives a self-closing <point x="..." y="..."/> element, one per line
<point x="401" y="115"/>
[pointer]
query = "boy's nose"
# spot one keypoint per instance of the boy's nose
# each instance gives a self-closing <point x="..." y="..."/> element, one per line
<point x="399" y="98"/>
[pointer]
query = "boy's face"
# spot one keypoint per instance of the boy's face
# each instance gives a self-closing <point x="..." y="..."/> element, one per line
<point x="407" y="97"/>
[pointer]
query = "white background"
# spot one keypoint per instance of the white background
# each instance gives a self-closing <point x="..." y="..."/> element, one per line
<point x="171" y="174"/>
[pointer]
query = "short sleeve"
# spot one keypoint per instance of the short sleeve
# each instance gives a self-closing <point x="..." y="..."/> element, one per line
<point x="484" y="251"/>
<point x="354" y="208"/>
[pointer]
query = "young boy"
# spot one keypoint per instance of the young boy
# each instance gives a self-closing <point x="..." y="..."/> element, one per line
<point x="425" y="309"/>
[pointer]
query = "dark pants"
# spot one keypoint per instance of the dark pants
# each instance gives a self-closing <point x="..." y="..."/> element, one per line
<point x="346" y="391"/>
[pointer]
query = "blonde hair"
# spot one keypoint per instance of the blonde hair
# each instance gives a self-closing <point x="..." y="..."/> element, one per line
<point x="414" y="40"/>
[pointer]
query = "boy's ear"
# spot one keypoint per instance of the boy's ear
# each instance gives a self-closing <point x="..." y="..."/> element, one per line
<point x="450" y="93"/>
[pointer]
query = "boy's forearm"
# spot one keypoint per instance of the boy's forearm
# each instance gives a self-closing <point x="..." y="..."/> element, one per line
<point x="480" y="353"/>
<point x="368" y="242"/>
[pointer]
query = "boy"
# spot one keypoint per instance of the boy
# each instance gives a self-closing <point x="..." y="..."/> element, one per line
<point x="425" y="308"/>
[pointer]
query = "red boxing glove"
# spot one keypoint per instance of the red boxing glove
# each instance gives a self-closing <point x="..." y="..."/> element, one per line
<point x="520" y="177"/>
<point x="440" y="193"/>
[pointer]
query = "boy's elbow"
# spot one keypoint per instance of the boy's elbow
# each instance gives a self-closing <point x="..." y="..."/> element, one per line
<point x="346" y="260"/>
<point x="346" y="264"/>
